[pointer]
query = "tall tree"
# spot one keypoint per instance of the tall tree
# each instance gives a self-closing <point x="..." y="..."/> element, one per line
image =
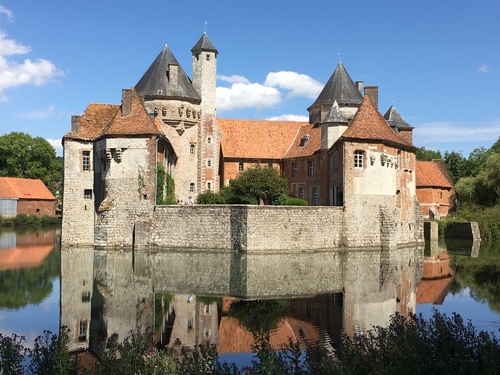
<point x="24" y="156"/>
<point x="427" y="155"/>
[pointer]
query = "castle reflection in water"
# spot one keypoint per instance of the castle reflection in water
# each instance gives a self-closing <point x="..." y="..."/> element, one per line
<point x="187" y="295"/>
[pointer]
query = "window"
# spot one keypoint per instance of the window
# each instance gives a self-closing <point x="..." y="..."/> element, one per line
<point x="314" y="196"/>
<point x="208" y="57"/>
<point x="86" y="161"/>
<point x="192" y="148"/>
<point x="209" y="140"/>
<point x="191" y="187"/>
<point x="209" y="163"/>
<point x="240" y="166"/>
<point x="87" y="193"/>
<point x="310" y="168"/>
<point x="358" y="159"/>
<point x="209" y="185"/>
<point x="85" y="296"/>
<point x="82" y="331"/>
<point x="294" y="170"/>
<point x="302" y="192"/>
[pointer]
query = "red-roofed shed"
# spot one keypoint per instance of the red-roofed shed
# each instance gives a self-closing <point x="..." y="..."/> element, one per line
<point x="27" y="196"/>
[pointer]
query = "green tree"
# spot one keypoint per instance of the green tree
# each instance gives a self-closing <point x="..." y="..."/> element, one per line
<point x="456" y="165"/>
<point x="24" y="156"/>
<point x="427" y="155"/>
<point x="259" y="184"/>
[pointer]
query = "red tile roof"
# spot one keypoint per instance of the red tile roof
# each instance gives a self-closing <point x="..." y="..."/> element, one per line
<point x="24" y="188"/>
<point x="311" y="145"/>
<point x="139" y="122"/>
<point x="369" y="124"/>
<point x="94" y="120"/>
<point x="257" y="139"/>
<point x="429" y="175"/>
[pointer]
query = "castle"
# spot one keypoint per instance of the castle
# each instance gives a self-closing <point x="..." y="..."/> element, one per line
<point x="348" y="156"/>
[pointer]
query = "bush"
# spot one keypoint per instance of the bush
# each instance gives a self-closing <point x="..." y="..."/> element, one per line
<point x="12" y="352"/>
<point x="210" y="198"/>
<point x="50" y="355"/>
<point x="296" y="202"/>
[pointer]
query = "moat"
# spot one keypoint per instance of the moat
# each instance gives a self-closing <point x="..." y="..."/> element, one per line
<point x="192" y="297"/>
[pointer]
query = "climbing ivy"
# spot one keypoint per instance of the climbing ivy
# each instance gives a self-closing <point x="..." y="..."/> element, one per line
<point x="165" y="186"/>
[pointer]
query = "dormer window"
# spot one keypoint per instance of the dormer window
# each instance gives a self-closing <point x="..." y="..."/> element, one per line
<point x="304" y="140"/>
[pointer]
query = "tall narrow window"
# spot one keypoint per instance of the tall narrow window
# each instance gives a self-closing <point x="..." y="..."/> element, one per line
<point x="209" y="163"/>
<point x="240" y="166"/>
<point x="191" y="187"/>
<point x="314" y="196"/>
<point x="295" y="169"/>
<point x="86" y="161"/>
<point x="310" y="168"/>
<point x="82" y="331"/>
<point x="192" y="148"/>
<point x="358" y="159"/>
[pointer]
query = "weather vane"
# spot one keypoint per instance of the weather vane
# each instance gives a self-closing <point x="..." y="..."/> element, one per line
<point x="340" y="57"/>
<point x="205" y="30"/>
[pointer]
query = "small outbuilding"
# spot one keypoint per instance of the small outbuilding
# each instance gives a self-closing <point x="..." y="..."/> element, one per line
<point x="26" y="196"/>
<point x="435" y="190"/>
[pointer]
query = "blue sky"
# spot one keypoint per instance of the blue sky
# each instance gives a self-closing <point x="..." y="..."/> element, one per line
<point x="438" y="62"/>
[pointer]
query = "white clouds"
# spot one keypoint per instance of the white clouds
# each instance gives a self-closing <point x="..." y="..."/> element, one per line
<point x="7" y="12"/>
<point x="289" y="117"/>
<point x="57" y="144"/>
<point x="39" y="115"/>
<point x="299" y="84"/>
<point x="13" y="74"/>
<point x="244" y="94"/>
<point x="456" y="136"/>
<point x="483" y="69"/>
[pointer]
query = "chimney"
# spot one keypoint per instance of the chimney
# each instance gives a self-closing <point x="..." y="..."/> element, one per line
<point x="359" y="85"/>
<point x="126" y="102"/>
<point x="75" y="124"/>
<point x="372" y="93"/>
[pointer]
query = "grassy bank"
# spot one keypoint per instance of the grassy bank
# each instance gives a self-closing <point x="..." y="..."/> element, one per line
<point x="23" y="221"/>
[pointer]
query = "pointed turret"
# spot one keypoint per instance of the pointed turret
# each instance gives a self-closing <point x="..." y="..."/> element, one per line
<point x="165" y="79"/>
<point x="341" y="88"/>
<point x="204" y="44"/>
<point x="398" y="124"/>
<point x="333" y="126"/>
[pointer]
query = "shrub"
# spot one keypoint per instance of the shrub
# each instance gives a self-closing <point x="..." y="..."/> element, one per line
<point x="50" y="355"/>
<point x="296" y="202"/>
<point x="12" y="352"/>
<point x="210" y="198"/>
<point x="21" y="220"/>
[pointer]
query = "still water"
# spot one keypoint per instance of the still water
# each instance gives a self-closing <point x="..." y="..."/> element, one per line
<point x="191" y="297"/>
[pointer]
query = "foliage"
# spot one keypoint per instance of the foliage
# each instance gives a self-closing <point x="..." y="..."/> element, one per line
<point x="258" y="315"/>
<point x="12" y="352"/>
<point x="22" y="286"/>
<point x="23" y="221"/>
<point x="258" y="184"/>
<point x="296" y="202"/>
<point x="488" y="219"/>
<point x="24" y="156"/>
<point x="209" y="197"/>
<point x="165" y="186"/>
<point x="427" y="155"/>
<point x="50" y="355"/>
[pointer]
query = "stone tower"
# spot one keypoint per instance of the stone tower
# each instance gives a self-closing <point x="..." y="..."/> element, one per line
<point x="186" y="110"/>
<point x="204" y="66"/>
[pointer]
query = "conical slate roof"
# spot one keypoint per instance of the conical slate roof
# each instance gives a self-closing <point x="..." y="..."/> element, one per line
<point x="155" y="82"/>
<point x="335" y="115"/>
<point x="395" y="120"/>
<point x="340" y="88"/>
<point x="204" y="44"/>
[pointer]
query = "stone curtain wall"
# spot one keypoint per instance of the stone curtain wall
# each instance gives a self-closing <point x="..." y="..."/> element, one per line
<point x="247" y="228"/>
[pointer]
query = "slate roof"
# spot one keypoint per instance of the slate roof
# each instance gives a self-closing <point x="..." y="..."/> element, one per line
<point x="258" y="139"/>
<point x="139" y="122"/>
<point x="94" y="120"/>
<point x="335" y="115"/>
<point x="429" y="175"/>
<point x="24" y="188"/>
<point x="340" y="88"/>
<point x="395" y="120"/>
<point x="155" y="83"/>
<point x="368" y="124"/>
<point x="204" y="44"/>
